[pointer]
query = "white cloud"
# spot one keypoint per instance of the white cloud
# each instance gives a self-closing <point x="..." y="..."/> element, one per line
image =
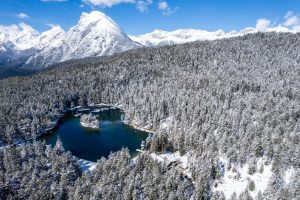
<point x="163" y="5"/>
<point x="262" y="24"/>
<point x="53" y="25"/>
<point x="107" y="3"/>
<point x="291" y="19"/>
<point x="22" y="16"/>
<point x="165" y="8"/>
<point x="142" y="6"/>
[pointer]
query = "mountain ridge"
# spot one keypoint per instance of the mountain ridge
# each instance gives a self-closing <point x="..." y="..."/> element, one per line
<point x="179" y="36"/>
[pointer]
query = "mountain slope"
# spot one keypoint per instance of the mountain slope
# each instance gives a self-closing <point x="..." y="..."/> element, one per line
<point x="95" y="35"/>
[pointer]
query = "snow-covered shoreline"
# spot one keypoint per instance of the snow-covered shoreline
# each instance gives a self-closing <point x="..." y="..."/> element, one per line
<point x="55" y="123"/>
<point x="138" y="127"/>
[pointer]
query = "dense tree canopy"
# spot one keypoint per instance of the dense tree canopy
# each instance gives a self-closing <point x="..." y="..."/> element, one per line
<point x="238" y="97"/>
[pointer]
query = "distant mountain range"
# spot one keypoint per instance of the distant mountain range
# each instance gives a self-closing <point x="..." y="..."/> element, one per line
<point x="24" y="49"/>
<point x="161" y="38"/>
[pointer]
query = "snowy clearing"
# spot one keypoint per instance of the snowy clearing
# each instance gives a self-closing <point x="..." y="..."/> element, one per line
<point x="174" y="160"/>
<point x="237" y="178"/>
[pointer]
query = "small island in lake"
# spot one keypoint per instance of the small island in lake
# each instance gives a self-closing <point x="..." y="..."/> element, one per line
<point x="89" y="121"/>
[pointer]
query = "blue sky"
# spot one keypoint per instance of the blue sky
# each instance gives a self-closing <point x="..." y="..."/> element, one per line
<point x="141" y="16"/>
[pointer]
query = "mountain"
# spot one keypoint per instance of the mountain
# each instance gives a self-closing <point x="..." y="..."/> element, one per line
<point x="12" y="57"/>
<point x="17" y="41"/>
<point x="17" y="44"/>
<point x="95" y="35"/>
<point x="23" y="36"/>
<point x="7" y="51"/>
<point x="161" y="38"/>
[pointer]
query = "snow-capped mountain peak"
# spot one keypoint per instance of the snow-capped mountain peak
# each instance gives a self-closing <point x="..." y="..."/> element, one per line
<point x="99" y="20"/>
<point x="55" y="30"/>
<point x="51" y="37"/>
<point x="95" y="34"/>
<point x="22" y="35"/>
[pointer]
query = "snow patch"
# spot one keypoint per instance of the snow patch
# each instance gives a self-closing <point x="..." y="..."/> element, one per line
<point x="237" y="178"/>
<point x="288" y="174"/>
<point x="174" y="160"/>
<point x="86" y="165"/>
<point x="165" y="125"/>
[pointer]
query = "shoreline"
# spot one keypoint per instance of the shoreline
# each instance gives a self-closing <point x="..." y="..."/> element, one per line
<point x="139" y="127"/>
<point x="55" y="124"/>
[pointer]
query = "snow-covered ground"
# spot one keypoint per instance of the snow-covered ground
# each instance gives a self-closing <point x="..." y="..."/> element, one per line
<point x="87" y="165"/>
<point x="83" y="109"/>
<point x="237" y="178"/>
<point x="96" y="110"/>
<point x="111" y="106"/>
<point x="288" y="174"/>
<point x="174" y="159"/>
<point x="166" y="123"/>
<point x="77" y="115"/>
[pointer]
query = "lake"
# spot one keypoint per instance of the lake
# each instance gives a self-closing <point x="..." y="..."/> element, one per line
<point x="92" y="144"/>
